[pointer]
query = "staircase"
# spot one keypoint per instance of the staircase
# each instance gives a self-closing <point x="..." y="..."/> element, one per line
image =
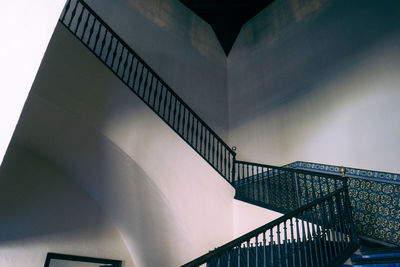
<point x="317" y="228"/>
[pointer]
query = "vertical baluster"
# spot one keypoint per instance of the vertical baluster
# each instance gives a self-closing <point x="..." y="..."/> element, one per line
<point x="201" y="140"/>
<point x="239" y="248"/>
<point x="248" y="181"/>
<point x="97" y="39"/>
<point x="298" y="242"/>
<point x="321" y="224"/>
<point x="229" y="258"/>
<point x="174" y="115"/>
<point x="310" y="237"/>
<point x="143" y="95"/>
<point x="345" y="219"/>
<point x="114" y="54"/>
<point x="103" y="42"/>
<point x="109" y="50"/>
<point x="260" y="184"/>
<point x="264" y="244"/>
<point x="72" y="14"/>
<point x="285" y="243"/>
<point x="192" y="130"/>
<point x="91" y="32"/>
<point x="332" y="228"/>
<point x="256" y="251"/>
<point x="339" y="220"/>
<point x="165" y="104"/>
<point x="66" y="9"/>
<point x="270" y="185"/>
<point x="79" y="19"/>
<point x="278" y="235"/>
<point x="204" y="141"/>
<point x="254" y="184"/>
<point x="208" y="146"/>
<point x="181" y="129"/>
<point x="185" y="122"/>
<point x="271" y="245"/>
<point x="124" y="66"/>
<point x="120" y="59"/>
<point x="212" y="139"/>
<point x="292" y="244"/>
<point x="224" y="161"/>
<point x="197" y="136"/>
<point x="221" y="154"/>
<point x="170" y="109"/>
<point x="326" y="220"/>
<point x="85" y="25"/>
<point x="130" y="71"/>
<point x="150" y="92"/>
<point x="314" y="238"/>
<point x="140" y="79"/>
<point x="304" y="243"/>
<point x="266" y="187"/>
<point x="248" y="254"/>
<point x="155" y="96"/>
<point x="160" y="99"/>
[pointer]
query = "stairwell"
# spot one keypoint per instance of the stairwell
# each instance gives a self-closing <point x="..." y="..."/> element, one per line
<point x="317" y="228"/>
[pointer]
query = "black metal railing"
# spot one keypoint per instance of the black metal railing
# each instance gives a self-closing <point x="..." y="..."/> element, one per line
<point x="107" y="46"/>
<point x="316" y="231"/>
<point x="281" y="189"/>
<point x="319" y="233"/>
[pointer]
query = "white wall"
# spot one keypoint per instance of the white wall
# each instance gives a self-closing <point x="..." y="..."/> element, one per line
<point x="318" y="81"/>
<point x="43" y="210"/>
<point x="26" y="27"/>
<point x="168" y="203"/>
<point x="249" y="217"/>
<point x="181" y="48"/>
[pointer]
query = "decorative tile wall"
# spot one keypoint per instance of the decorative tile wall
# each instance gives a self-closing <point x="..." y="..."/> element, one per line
<point x="375" y="200"/>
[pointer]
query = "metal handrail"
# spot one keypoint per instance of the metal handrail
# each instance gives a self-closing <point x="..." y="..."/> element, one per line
<point x="132" y="70"/>
<point x="343" y="228"/>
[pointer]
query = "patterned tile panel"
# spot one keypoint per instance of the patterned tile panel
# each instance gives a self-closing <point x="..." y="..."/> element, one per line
<point x="375" y="200"/>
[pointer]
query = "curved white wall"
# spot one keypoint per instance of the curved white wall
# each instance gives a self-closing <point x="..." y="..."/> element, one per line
<point x="318" y="81"/>
<point x="168" y="203"/>
<point x="43" y="210"/>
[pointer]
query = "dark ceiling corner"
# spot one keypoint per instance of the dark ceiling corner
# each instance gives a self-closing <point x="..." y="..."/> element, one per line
<point x="226" y="17"/>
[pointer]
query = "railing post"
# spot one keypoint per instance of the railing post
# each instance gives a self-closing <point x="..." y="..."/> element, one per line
<point x="233" y="164"/>
<point x="354" y="237"/>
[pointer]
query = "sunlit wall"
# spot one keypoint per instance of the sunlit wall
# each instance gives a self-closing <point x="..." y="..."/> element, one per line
<point x="26" y="27"/>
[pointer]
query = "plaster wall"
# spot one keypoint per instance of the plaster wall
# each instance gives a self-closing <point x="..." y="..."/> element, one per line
<point x="318" y="81"/>
<point x="169" y="205"/>
<point x="181" y="48"/>
<point x="249" y="217"/>
<point x="43" y="210"/>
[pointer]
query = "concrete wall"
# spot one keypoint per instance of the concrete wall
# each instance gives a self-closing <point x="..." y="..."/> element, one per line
<point x="169" y="205"/>
<point x="318" y="81"/>
<point x="43" y="210"/>
<point x="181" y="48"/>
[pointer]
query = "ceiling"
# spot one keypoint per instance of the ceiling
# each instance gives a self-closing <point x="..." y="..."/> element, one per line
<point x="226" y="17"/>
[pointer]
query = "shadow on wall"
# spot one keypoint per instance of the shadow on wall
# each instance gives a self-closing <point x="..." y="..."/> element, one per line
<point x="37" y="199"/>
<point x="266" y="74"/>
